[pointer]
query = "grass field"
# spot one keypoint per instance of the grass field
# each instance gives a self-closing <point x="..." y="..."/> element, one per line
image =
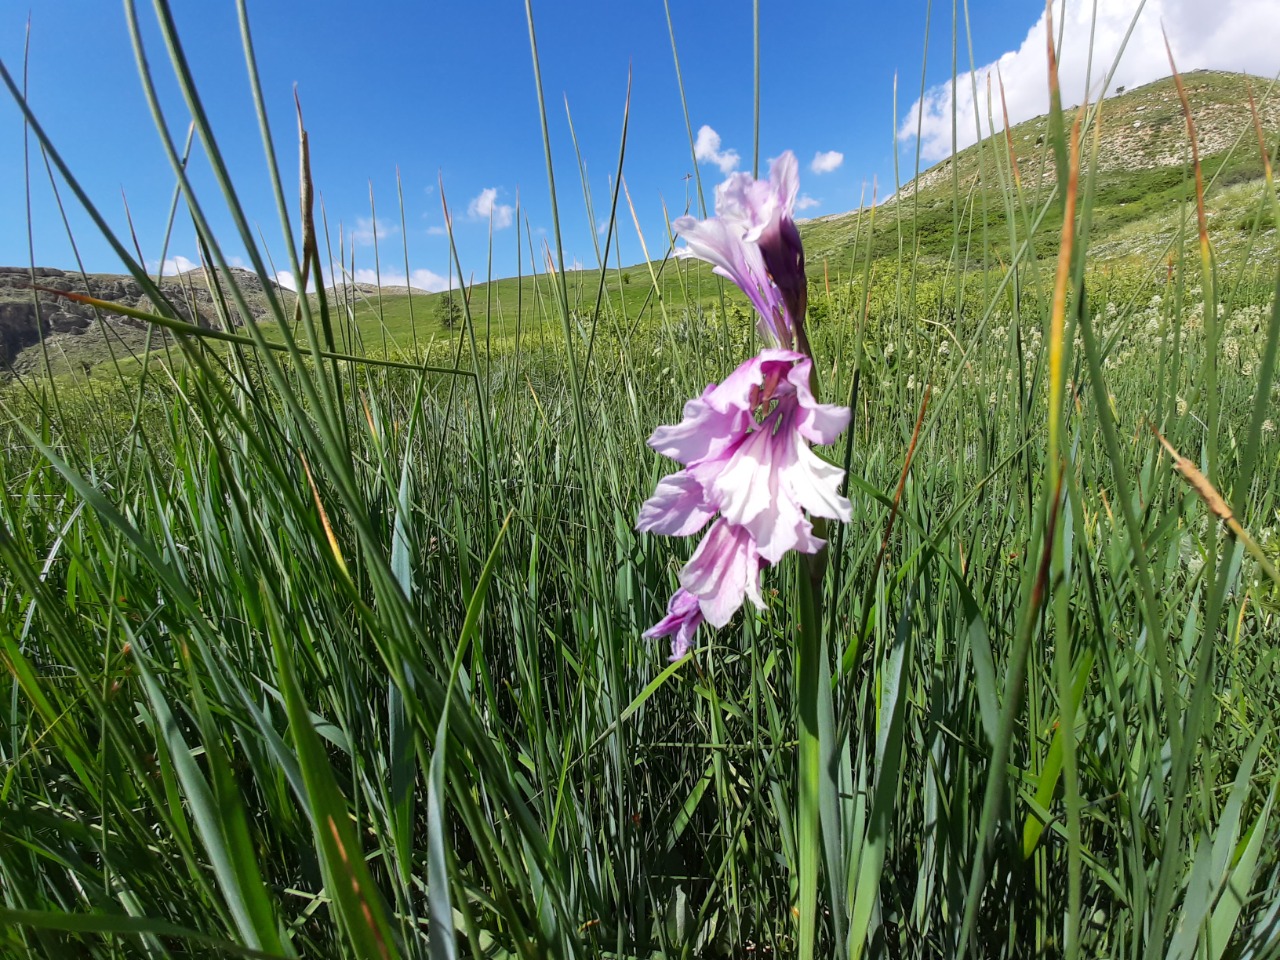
<point x="318" y="656"/>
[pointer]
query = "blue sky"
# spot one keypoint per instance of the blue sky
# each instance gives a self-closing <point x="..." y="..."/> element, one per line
<point x="445" y="91"/>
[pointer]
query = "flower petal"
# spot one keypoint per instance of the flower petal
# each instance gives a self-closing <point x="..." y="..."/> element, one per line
<point x="751" y="491"/>
<point x="683" y="618"/>
<point x="815" y="485"/>
<point x="677" y="508"/>
<point x="742" y="263"/>
<point x="817" y="422"/>
<point x="704" y="432"/>
<point x="722" y="572"/>
<point x="735" y="392"/>
<point x="743" y="486"/>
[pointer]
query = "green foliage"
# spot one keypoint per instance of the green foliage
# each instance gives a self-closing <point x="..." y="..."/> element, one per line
<point x="324" y="658"/>
<point x="448" y="312"/>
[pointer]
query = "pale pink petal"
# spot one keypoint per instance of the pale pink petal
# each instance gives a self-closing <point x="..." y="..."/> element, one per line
<point x="822" y="423"/>
<point x="722" y="571"/>
<point x="817" y="422"/>
<point x="737" y="391"/>
<point x="677" y="508"/>
<point x="721" y="244"/>
<point x="744" y="486"/>
<point x="746" y="205"/>
<point x="704" y="432"/>
<point x="756" y="206"/>
<point x="750" y="492"/>
<point x="684" y="637"/>
<point x="815" y="485"/>
<point x="784" y="528"/>
<point x="784" y="180"/>
<point x="753" y="241"/>
<point x="683" y="618"/>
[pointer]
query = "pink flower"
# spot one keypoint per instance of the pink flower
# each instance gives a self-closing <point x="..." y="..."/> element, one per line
<point x="683" y="617"/>
<point x="745" y="448"/>
<point x="722" y="571"/>
<point x="745" y="443"/>
<point x="753" y="242"/>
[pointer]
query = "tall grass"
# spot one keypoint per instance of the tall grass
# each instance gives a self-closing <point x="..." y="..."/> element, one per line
<point x="313" y="653"/>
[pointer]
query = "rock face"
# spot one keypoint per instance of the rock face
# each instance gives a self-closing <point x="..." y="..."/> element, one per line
<point x="74" y="333"/>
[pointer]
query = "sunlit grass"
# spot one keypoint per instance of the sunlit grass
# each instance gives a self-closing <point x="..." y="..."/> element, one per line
<point x="322" y="657"/>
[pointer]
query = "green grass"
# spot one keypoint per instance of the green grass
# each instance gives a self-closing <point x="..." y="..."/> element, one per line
<point x="530" y="303"/>
<point x="314" y="657"/>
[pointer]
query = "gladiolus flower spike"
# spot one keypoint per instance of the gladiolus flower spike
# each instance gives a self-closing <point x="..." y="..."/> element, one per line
<point x="744" y="444"/>
<point x="753" y="242"/>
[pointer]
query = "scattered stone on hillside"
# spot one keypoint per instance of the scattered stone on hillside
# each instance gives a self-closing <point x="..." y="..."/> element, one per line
<point x="76" y="333"/>
<point x="1219" y="107"/>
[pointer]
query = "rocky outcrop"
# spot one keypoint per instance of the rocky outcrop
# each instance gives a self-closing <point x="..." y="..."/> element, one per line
<point x="74" y="332"/>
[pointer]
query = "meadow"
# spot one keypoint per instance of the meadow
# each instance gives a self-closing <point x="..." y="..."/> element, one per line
<point x="329" y="644"/>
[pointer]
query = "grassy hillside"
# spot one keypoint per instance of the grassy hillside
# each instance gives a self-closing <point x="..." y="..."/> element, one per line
<point x="954" y="216"/>
<point x="330" y="657"/>
<point x="1138" y="172"/>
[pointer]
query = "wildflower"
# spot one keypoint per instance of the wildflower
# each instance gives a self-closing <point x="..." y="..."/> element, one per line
<point x="683" y="618"/>
<point x="744" y="444"/>
<point x="753" y="242"/>
<point x="745" y="448"/>
<point x="1268" y="426"/>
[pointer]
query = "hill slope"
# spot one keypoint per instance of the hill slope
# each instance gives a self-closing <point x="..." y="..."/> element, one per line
<point x="1141" y="191"/>
<point x="1141" y="172"/>
<point x="76" y="336"/>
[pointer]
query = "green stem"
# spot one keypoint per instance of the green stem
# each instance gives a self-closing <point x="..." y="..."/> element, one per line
<point x="809" y="812"/>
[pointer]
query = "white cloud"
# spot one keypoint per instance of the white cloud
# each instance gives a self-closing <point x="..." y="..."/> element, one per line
<point x="436" y="231"/>
<point x="427" y="280"/>
<point x="485" y="206"/>
<point x="418" y="279"/>
<point x="826" y="161"/>
<point x="1204" y="34"/>
<point x="707" y="150"/>
<point x="367" y="230"/>
<point x="806" y="202"/>
<point x="172" y="266"/>
<point x="284" y="280"/>
<point x="576" y="264"/>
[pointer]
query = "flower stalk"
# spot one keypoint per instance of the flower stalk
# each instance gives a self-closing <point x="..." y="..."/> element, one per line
<point x="749" y="472"/>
